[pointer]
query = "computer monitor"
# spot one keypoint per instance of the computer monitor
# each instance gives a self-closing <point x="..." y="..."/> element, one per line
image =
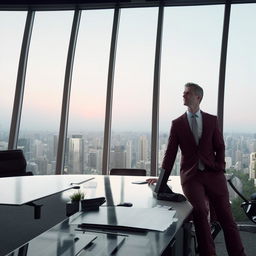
<point x="161" y="185"/>
<point x="163" y="191"/>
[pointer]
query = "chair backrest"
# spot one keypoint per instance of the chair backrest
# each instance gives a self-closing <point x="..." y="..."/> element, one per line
<point x="249" y="206"/>
<point x="128" y="172"/>
<point x="12" y="163"/>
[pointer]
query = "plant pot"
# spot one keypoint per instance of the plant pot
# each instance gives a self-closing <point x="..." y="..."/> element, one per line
<point x="72" y="207"/>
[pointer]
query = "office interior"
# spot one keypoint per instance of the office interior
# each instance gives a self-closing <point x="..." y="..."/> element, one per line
<point x="88" y="86"/>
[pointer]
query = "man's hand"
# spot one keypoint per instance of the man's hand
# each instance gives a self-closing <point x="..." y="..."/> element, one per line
<point x="151" y="181"/>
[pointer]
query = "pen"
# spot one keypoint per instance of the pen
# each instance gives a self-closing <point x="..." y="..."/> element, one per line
<point x="117" y="247"/>
<point x="103" y="232"/>
<point x="78" y="183"/>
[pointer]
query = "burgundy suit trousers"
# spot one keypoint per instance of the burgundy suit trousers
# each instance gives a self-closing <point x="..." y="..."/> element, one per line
<point x="212" y="185"/>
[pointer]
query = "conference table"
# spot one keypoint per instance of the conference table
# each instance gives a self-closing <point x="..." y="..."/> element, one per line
<point x="146" y="226"/>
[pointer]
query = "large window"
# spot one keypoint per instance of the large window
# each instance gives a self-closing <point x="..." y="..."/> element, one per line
<point x="239" y="117"/>
<point x="191" y="46"/>
<point x="133" y="87"/>
<point x="43" y="90"/>
<point x="190" y="53"/>
<point x="11" y="31"/>
<point x="88" y="93"/>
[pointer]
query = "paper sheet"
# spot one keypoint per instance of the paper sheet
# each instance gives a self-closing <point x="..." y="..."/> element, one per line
<point x="158" y="219"/>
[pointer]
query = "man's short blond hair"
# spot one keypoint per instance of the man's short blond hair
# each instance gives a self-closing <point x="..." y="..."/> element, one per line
<point x="196" y="88"/>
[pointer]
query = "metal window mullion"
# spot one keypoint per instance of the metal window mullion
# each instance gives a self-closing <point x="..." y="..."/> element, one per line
<point x="20" y="83"/>
<point x="156" y="92"/>
<point x="109" y="97"/>
<point x="66" y="93"/>
<point x="223" y="58"/>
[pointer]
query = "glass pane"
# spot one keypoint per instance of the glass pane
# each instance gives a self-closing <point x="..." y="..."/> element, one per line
<point x="11" y="31"/>
<point x="88" y="94"/>
<point x="133" y="86"/>
<point x="239" y="117"/>
<point x="43" y="90"/>
<point x="190" y="53"/>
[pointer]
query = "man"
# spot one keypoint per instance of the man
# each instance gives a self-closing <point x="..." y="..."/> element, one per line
<point x="202" y="171"/>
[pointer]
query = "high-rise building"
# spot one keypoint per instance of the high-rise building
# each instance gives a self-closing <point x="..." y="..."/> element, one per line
<point x="129" y="154"/>
<point x="42" y="164"/>
<point x="118" y="157"/>
<point x="95" y="161"/>
<point x="24" y="145"/>
<point x="143" y="149"/>
<point x="252" y="167"/>
<point x="228" y="161"/>
<point x="99" y="161"/>
<point x="92" y="159"/>
<point x="76" y="154"/>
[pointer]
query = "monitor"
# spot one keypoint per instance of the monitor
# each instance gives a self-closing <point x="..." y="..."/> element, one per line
<point x="163" y="191"/>
<point x="161" y="185"/>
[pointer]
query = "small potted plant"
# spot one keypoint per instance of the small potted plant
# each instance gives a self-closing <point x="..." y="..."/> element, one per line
<point x="73" y="206"/>
<point x="77" y="196"/>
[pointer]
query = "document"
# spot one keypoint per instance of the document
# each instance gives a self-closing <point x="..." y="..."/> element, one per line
<point x="158" y="219"/>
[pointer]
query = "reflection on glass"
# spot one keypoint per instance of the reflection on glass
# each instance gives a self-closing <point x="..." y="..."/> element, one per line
<point x="190" y="53"/>
<point x="240" y="91"/>
<point x="11" y="31"/>
<point x="88" y="94"/>
<point x="133" y="86"/>
<point x="43" y="90"/>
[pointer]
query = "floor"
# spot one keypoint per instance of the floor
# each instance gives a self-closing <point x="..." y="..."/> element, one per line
<point x="248" y="239"/>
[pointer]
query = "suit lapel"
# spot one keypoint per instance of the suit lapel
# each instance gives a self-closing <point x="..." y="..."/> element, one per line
<point x="187" y="129"/>
<point x="203" y="125"/>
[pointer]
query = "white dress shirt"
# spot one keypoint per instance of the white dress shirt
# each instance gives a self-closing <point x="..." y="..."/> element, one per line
<point x="198" y="120"/>
<point x="200" y="130"/>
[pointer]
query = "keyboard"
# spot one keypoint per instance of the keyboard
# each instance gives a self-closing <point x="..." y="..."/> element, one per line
<point x="174" y="197"/>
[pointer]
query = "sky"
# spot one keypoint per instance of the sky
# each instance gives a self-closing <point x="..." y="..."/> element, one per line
<point x="190" y="52"/>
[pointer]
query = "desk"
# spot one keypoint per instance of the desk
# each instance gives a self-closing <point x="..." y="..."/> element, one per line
<point x="25" y="189"/>
<point x="17" y="194"/>
<point x="117" y="189"/>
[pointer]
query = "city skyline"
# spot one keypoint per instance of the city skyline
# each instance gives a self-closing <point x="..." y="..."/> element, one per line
<point x="83" y="152"/>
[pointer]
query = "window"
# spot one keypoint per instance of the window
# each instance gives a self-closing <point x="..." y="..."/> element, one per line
<point x="189" y="54"/>
<point x="11" y="31"/>
<point x="133" y="87"/>
<point x="43" y="90"/>
<point x="240" y="90"/>
<point x="88" y="93"/>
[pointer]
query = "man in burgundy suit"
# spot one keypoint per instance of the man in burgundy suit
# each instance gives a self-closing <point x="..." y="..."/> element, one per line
<point x="202" y="171"/>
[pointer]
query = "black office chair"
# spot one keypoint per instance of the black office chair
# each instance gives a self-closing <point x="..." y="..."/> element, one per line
<point x="249" y="208"/>
<point x="128" y="172"/>
<point x="13" y="163"/>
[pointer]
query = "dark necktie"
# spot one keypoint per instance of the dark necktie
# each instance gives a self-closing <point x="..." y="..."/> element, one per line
<point x="194" y="128"/>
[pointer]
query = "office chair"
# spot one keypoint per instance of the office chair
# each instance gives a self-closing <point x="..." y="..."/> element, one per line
<point x="13" y="163"/>
<point x="128" y="172"/>
<point x="249" y="208"/>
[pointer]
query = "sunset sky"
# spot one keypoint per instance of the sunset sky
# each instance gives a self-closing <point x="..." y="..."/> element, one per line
<point x="190" y="52"/>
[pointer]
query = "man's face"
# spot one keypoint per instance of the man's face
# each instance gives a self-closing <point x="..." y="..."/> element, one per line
<point x="190" y="99"/>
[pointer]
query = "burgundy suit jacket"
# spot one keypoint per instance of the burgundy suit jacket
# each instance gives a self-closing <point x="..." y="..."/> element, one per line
<point x="210" y="150"/>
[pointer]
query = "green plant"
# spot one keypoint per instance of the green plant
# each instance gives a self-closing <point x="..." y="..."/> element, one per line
<point x="77" y="196"/>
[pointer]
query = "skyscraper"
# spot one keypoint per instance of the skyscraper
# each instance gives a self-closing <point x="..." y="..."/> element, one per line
<point x="76" y="155"/>
<point x="129" y="154"/>
<point x="143" y="149"/>
<point x="118" y="157"/>
<point x="252" y="167"/>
